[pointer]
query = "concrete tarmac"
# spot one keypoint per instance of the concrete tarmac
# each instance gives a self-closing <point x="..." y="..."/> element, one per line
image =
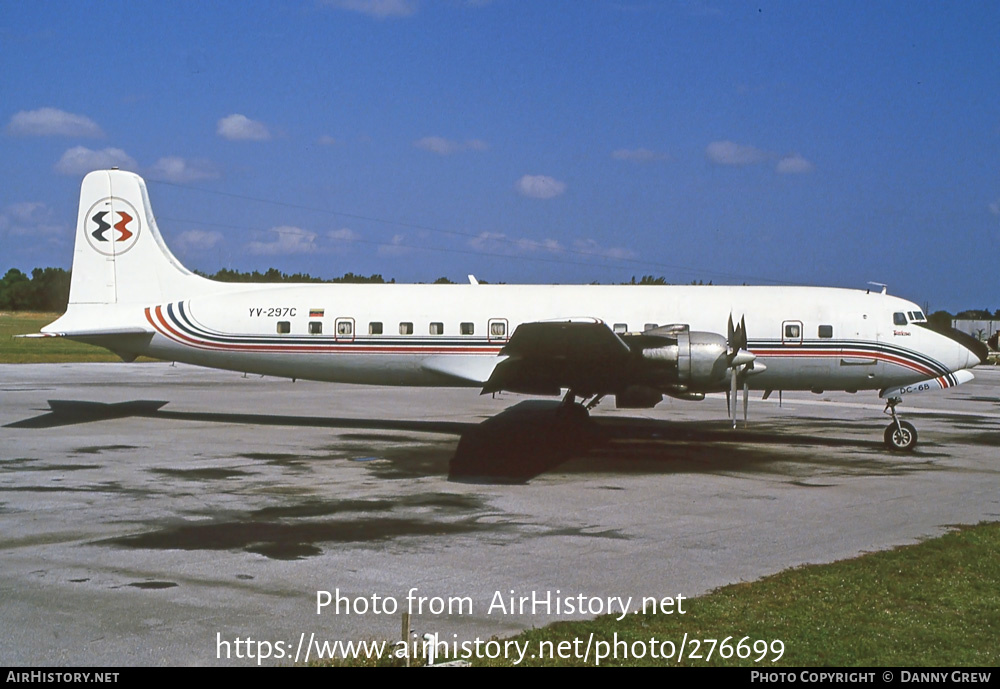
<point x="153" y="514"/>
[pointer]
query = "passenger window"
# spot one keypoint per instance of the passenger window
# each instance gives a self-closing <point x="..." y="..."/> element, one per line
<point x="899" y="318"/>
<point x="345" y="328"/>
<point x="793" y="331"/>
<point x="315" y="328"/>
<point x="406" y="328"/>
<point x="826" y="331"/>
<point x="437" y="329"/>
<point x="498" y="329"/>
<point x="284" y="327"/>
<point x="621" y="328"/>
<point x="467" y="329"/>
<point x="375" y="328"/>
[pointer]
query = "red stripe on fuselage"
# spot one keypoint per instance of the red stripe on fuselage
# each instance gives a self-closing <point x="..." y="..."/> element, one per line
<point x="165" y="329"/>
<point x="836" y="353"/>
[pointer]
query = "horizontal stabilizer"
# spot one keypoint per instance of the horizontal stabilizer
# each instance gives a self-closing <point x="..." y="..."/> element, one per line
<point x="106" y="332"/>
<point x="127" y="342"/>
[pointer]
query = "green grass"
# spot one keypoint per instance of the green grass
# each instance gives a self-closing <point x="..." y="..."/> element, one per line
<point x="936" y="603"/>
<point x="41" y="350"/>
<point x="932" y="604"/>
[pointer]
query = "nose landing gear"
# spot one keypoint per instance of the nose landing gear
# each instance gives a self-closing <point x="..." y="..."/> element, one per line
<point x="900" y="436"/>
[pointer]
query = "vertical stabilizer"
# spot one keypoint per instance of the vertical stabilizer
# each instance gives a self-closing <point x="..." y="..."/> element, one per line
<point x="120" y="257"/>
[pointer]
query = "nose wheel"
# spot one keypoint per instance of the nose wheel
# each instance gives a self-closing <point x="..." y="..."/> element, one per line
<point x="900" y="436"/>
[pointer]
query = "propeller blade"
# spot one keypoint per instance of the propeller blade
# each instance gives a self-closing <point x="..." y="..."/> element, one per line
<point x="746" y="402"/>
<point x="740" y="362"/>
<point x="732" y="389"/>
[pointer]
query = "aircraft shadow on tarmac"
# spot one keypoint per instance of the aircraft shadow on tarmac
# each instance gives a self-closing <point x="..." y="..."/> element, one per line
<point x="521" y="442"/>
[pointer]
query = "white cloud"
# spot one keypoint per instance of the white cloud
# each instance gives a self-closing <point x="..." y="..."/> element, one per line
<point x="287" y="240"/>
<point x="80" y="160"/>
<point x="394" y="247"/>
<point x="380" y="9"/>
<point x="176" y="169"/>
<point x="493" y="241"/>
<point x="539" y="187"/>
<point x="31" y="219"/>
<point x="198" y="240"/>
<point x="238" y="127"/>
<point x="344" y="234"/>
<point x="995" y="207"/>
<point x="487" y="240"/>
<point x="794" y="164"/>
<point x="443" y="146"/>
<point x="52" y="122"/>
<point x="530" y="245"/>
<point x="730" y="153"/>
<point x="500" y="242"/>
<point x="638" y="155"/>
<point x="592" y="248"/>
<point x="24" y="210"/>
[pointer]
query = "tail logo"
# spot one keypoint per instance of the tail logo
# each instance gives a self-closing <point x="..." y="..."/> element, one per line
<point x="112" y="226"/>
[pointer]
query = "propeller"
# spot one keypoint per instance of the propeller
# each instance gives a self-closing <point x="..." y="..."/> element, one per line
<point x="740" y="361"/>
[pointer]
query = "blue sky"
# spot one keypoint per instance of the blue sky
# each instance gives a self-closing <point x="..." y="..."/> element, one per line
<point x="824" y="143"/>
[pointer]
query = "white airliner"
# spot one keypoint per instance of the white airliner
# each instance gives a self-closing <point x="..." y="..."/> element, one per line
<point x="132" y="296"/>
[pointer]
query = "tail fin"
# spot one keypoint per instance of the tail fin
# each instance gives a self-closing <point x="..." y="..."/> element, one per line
<point x="120" y="257"/>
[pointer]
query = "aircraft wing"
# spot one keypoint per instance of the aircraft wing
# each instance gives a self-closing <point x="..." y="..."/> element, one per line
<point x="546" y="356"/>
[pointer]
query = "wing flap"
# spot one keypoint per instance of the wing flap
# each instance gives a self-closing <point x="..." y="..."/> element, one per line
<point x="546" y="356"/>
<point x="473" y="370"/>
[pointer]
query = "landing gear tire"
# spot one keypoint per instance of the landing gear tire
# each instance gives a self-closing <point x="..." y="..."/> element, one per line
<point x="573" y="412"/>
<point x="901" y="439"/>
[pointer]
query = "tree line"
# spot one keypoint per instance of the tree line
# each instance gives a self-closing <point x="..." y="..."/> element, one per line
<point x="47" y="289"/>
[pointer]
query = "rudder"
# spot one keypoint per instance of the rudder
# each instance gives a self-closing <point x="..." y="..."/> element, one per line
<point x="120" y="257"/>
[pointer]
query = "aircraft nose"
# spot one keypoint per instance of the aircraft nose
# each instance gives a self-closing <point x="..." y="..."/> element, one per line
<point x="978" y="351"/>
<point x="973" y="352"/>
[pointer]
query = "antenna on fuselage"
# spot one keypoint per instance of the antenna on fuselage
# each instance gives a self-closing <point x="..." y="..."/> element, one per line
<point x="884" y="286"/>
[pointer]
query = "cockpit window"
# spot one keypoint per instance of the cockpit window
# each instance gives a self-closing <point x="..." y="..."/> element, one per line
<point x="899" y="318"/>
<point x="919" y="316"/>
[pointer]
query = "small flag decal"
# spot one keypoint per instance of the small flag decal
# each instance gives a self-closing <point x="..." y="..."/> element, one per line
<point x="315" y="313"/>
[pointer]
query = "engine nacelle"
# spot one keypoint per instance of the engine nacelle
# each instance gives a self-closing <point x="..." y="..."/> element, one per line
<point x="675" y="355"/>
<point x="638" y="397"/>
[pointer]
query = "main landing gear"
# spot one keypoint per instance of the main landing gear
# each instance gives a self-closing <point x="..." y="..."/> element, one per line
<point x="572" y="410"/>
<point x="900" y="436"/>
